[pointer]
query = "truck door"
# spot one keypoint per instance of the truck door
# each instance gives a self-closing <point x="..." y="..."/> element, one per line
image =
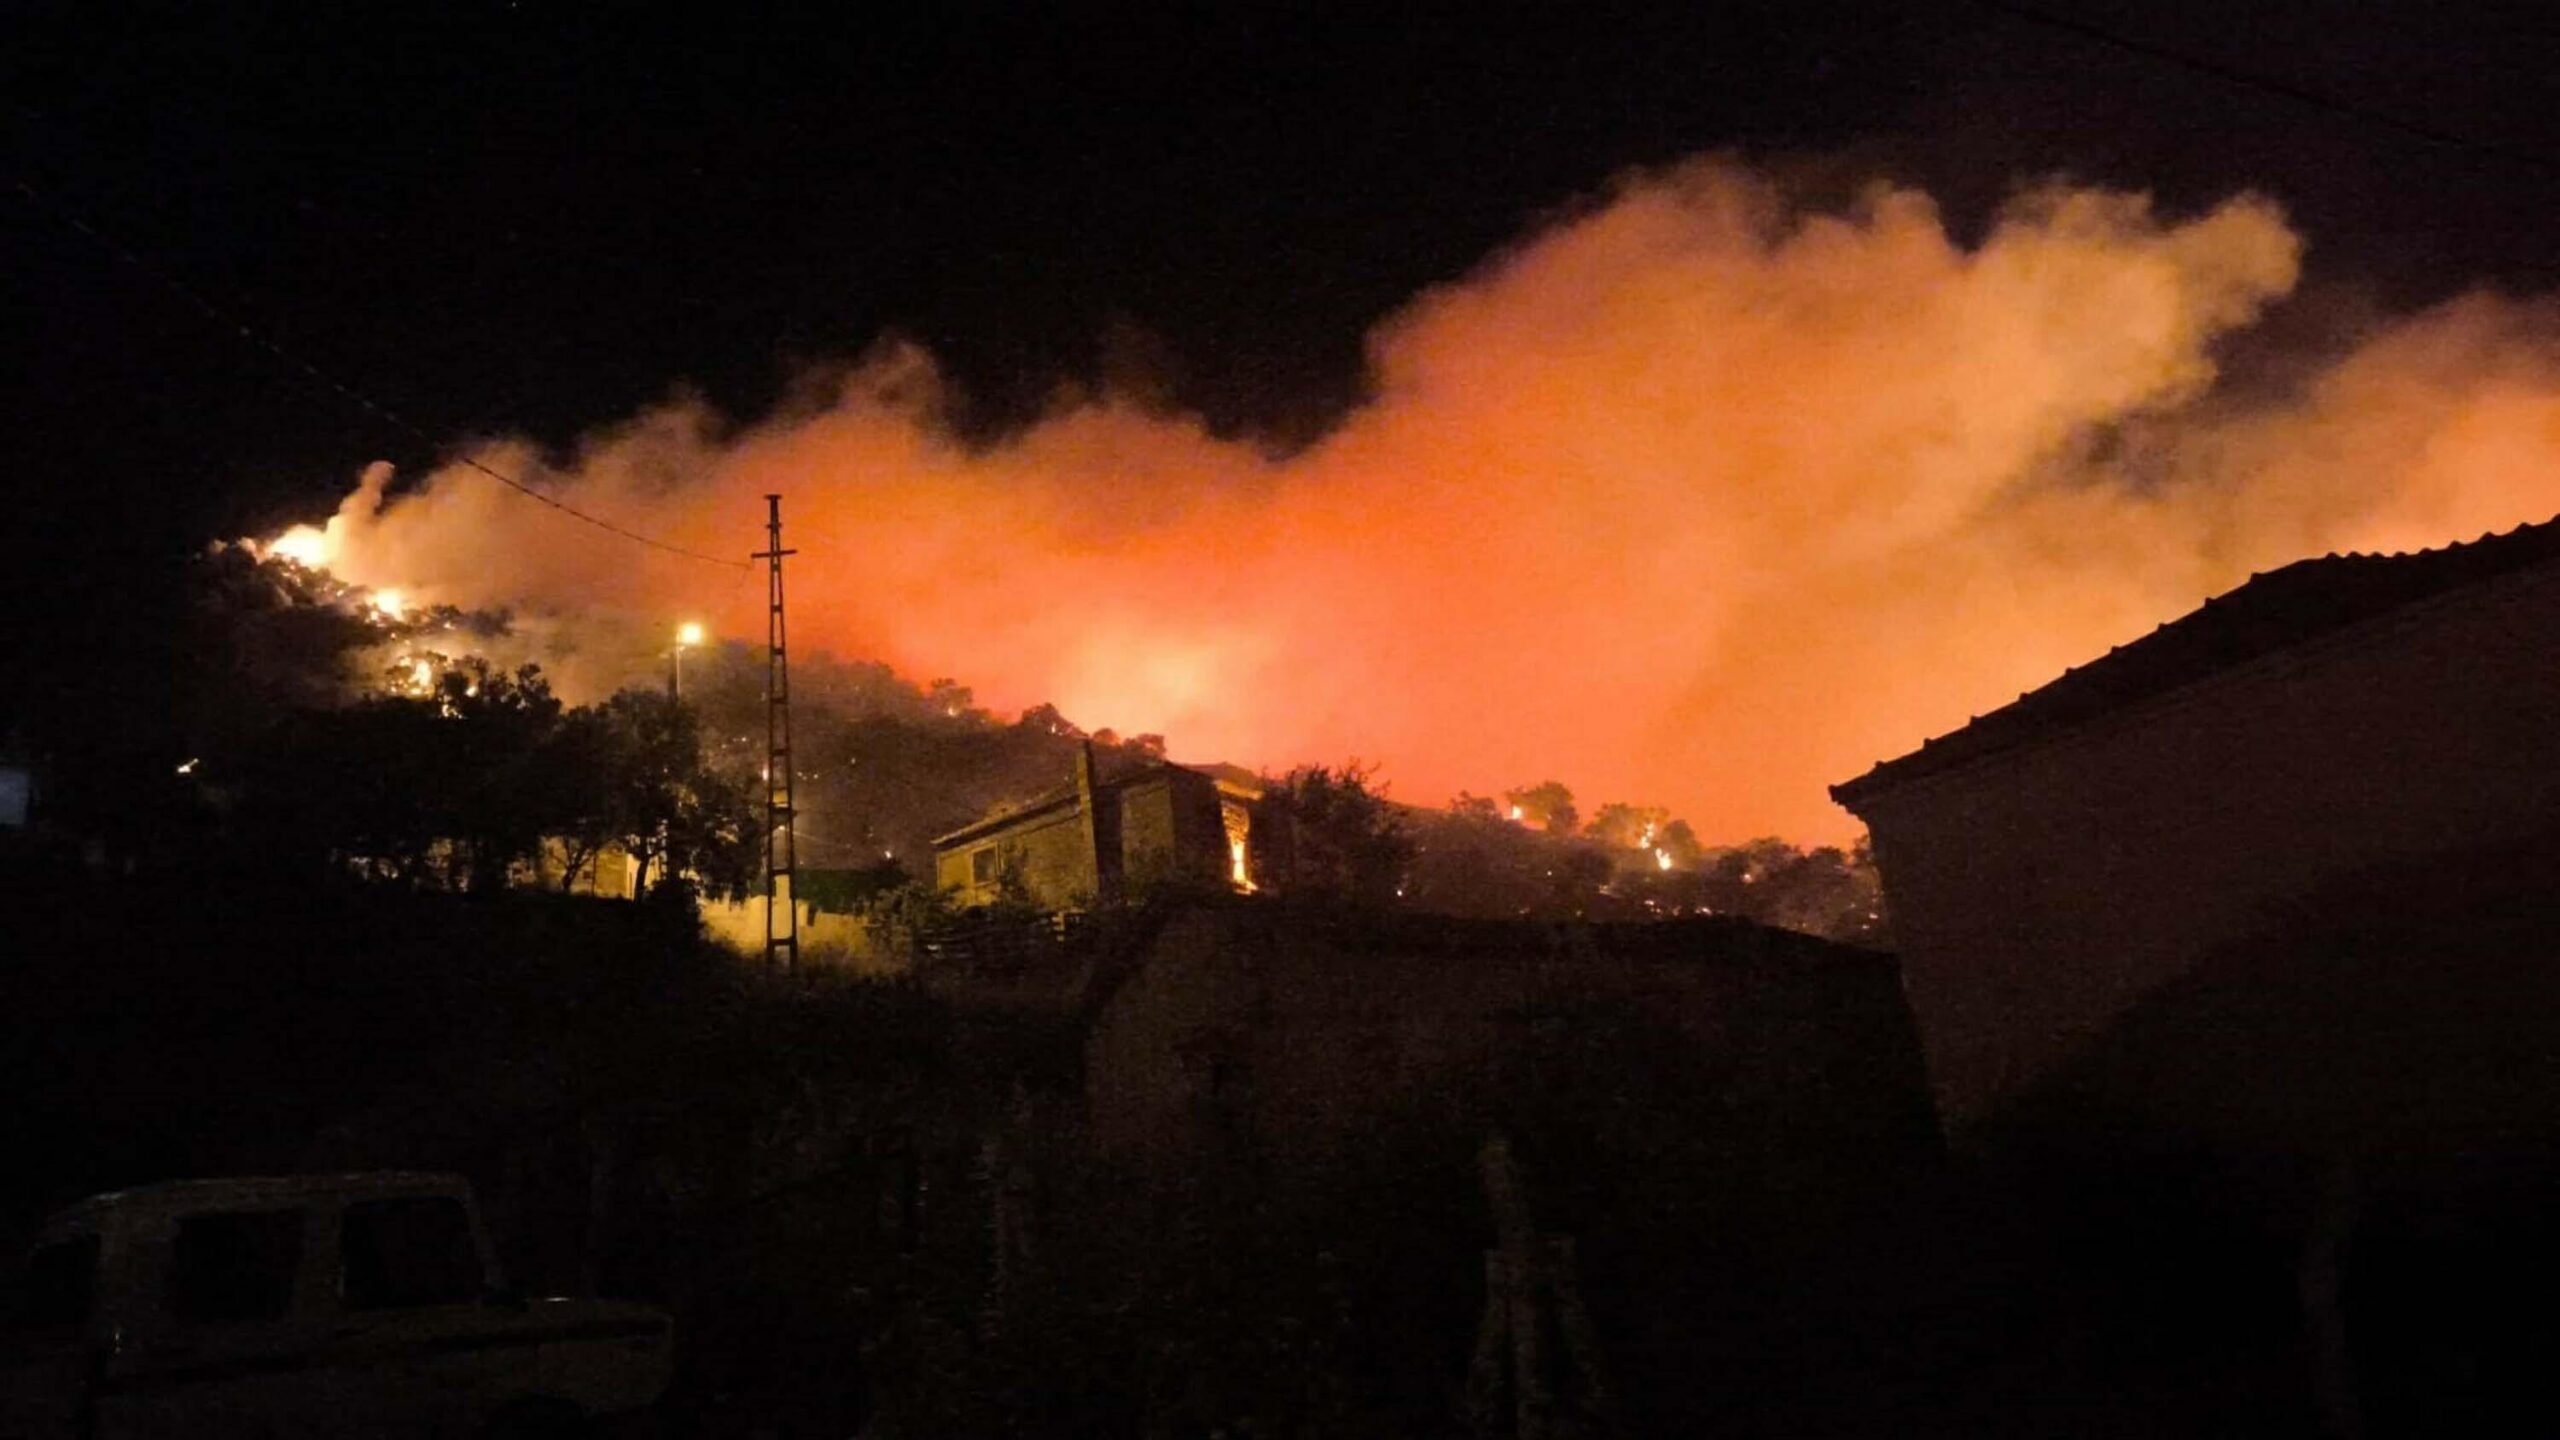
<point x="413" y="1302"/>
<point x="229" y="1347"/>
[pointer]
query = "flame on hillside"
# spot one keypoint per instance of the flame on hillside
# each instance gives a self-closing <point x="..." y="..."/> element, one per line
<point x="1696" y="497"/>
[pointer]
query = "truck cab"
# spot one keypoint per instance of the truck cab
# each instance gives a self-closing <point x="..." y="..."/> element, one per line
<point x="304" y="1306"/>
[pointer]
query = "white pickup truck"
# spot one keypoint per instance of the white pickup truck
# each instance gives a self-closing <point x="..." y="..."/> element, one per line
<point x="306" y="1306"/>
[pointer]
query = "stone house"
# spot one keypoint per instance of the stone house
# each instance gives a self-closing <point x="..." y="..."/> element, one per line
<point x="2338" y="726"/>
<point x="1100" y="836"/>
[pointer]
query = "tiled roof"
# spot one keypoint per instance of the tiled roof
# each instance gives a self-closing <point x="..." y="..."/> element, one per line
<point x="1004" y="815"/>
<point x="2275" y="611"/>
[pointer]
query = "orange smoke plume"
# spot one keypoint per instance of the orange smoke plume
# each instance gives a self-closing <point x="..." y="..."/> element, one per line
<point x="1696" y="499"/>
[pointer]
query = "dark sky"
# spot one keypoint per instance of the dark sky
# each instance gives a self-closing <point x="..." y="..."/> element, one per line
<point x="537" y="216"/>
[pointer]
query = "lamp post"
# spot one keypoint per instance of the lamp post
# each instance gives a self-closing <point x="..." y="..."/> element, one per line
<point x="688" y="635"/>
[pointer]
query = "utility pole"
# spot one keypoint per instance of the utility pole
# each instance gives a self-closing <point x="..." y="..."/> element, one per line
<point x="781" y="912"/>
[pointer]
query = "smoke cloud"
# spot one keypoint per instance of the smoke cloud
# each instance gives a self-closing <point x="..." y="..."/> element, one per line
<point x="1696" y="498"/>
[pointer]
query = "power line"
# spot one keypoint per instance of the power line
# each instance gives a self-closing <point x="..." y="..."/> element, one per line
<point x="2251" y="80"/>
<point x="352" y="395"/>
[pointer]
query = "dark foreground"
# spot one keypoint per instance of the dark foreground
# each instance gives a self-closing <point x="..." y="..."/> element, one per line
<point x="926" y="1209"/>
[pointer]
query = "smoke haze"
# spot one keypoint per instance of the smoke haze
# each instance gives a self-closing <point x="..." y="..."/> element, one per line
<point x="1695" y="498"/>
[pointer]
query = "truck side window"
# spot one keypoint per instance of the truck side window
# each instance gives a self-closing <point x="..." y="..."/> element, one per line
<point x="237" y="1266"/>
<point x="416" y="1250"/>
<point x="60" y="1284"/>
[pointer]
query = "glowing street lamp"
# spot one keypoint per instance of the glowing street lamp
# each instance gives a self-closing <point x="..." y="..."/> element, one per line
<point x="688" y="635"/>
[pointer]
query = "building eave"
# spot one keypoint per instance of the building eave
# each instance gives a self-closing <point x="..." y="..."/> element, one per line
<point x="2296" y="609"/>
<point x="1005" y="820"/>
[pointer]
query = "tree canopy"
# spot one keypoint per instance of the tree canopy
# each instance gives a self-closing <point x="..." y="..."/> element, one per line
<point x="1322" y="831"/>
<point x="337" y="731"/>
<point x="486" y="779"/>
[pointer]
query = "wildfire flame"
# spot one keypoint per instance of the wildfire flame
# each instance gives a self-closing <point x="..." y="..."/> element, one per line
<point x="302" y="544"/>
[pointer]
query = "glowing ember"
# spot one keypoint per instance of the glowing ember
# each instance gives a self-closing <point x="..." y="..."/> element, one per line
<point x="391" y="604"/>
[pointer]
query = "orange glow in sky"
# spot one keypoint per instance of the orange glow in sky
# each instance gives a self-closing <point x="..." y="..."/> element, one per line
<point x="1695" y="499"/>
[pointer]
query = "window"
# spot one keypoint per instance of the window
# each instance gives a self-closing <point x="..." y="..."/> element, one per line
<point x="228" y="1268"/>
<point x="415" y="1250"/>
<point x="17" y="795"/>
<point x="982" y="866"/>
<point x="59" y="1286"/>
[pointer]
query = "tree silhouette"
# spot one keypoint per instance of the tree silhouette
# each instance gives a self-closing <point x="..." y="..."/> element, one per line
<point x="1547" y="805"/>
<point x="1322" y="831"/>
<point x="490" y="778"/>
<point x="1622" y="826"/>
<point x="641" y="782"/>
<point x="1474" y="860"/>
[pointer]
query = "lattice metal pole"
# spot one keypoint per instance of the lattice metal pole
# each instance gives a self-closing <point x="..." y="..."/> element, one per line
<point x="781" y="911"/>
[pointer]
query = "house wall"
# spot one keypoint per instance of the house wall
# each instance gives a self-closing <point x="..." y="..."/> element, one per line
<point x="2038" y="894"/>
<point x="1049" y="851"/>
<point x="612" y="872"/>
<point x="1200" y="828"/>
<point x="827" y="939"/>
<point x="951" y="872"/>
<point x="1716" y="1115"/>
<point x="1242" y="1021"/>
<point x="607" y="872"/>
<point x="1171" y="827"/>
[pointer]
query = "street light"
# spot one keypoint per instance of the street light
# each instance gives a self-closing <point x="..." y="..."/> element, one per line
<point x="688" y="635"/>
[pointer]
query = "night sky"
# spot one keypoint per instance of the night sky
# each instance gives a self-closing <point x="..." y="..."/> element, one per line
<point x="534" y="218"/>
